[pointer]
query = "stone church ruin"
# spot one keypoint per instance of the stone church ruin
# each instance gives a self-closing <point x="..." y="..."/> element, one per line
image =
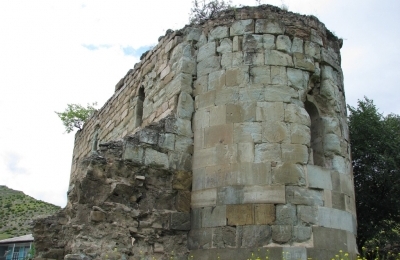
<point x="227" y="138"/>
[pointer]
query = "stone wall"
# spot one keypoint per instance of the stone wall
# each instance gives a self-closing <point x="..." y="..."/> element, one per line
<point x="244" y="119"/>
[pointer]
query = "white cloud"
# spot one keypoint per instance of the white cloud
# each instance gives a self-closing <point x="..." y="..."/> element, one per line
<point x="47" y="62"/>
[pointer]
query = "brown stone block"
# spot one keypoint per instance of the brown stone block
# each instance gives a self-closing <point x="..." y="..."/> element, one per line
<point x="182" y="202"/>
<point x="226" y="153"/>
<point x="240" y="214"/>
<point x="220" y="134"/>
<point x="264" y="214"/>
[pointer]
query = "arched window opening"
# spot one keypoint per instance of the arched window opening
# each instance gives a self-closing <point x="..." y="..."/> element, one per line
<point x="139" y="107"/>
<point x="316" y="134"/>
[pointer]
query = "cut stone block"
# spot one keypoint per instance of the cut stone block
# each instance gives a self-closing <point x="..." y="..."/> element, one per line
<point x="207" y="50"/>
<point x="200" y="238"/>
<point x="272" y="26"/>
<point x="230" y="195"/>
<point x="281" y="233"/>
<point x="264" y="214"/>
<point x="277" y="58"/>
<point x="218" y="32"/>
<point x="267" y="153"/>
<point x="204" y="198"/>
<point x="242" y="27"/>
<point x="307" y="215"/>
<point x="300" y="134"/>
<point x="264" y="194"/>
<point x="275" y="132"/>
<point x="224" y="237"/>
<point x="156" y="159"/>
<point x="283" y="43"/>
<point x="220" y="134"/>
<point x="239" y="215"/>
<point x="303" y="196"/>
<point x="255" y="235"/>
<point x="214" y="216"/>
<point x="294" y="153"/>
<point x="298" y="79"/>
<point x="180" y="221"/>
<point x="297" y="114"/>
<point x="289" y="174"/>
<point x="319" y="177"/>
<point x="270" y="111"/>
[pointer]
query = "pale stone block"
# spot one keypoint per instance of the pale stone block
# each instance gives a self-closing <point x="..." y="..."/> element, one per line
<point x="245" y="152"/>
<point x="264" y="214"/>
<point x="236" y="76"/>
<point x="226" y="96"/>
<point x="307" y="214"/>
<point x="297" y="114"/>
<point x="218" y="115"/>
<point x="201" y="118"/>
<point x="206" y="51"/>
<point x="312" y="49"/>
<point x="282" y="233"/>
<point x="297" y="78"/>
<point x="289" y="174"/>
<point x="225" y="46"/>
<point x="239" y="215"/>
<point x="216" y="176"/>
<point x="233" y="113"/>
<point x="260" y="75"/>
<point x="350" y="205"/>
<point x="300" y="134"/>
<point x="214" y="216"/>
<point x="205" y="100"/>
<point x="184" y="144"/>
<point x="248" y="111"/>
<point x="278" y="75"/>
<point x="179" y="126"/>
<point x="134" y="153"/>
<point x="264" y="194"/>
<point x="226" y="153"/>
<point x="267" y="153"/>
<point x="219" y="134"/>
<point x="204" y="198"/>
<point x="216" y="80"/>
<point x="237" y="43"/>
<point x="185" y="107"/>
<point x="315" y="37"/>
<point x="237" y="59"/>
<point x="335" y="218"/>
<point x="330" y="57"/>
<point x="277" y="58"/>
<point x="303" y="61"/>
<point x="338" y="200"/>
<point x="283" y="43"/>
<point x="218" y="32"/>
<point x="297" y="45"/>
<point x="328" y="198"/>
<point x="253" y="58"/>
<point x="332" y="144"/>
<point x="303" y="196"/>
<point x="270" y="111"/>
<point x="251" y="94"/>
<point x="167" y="141"/>
<point x="294" y="153"/>
<point x="200" y="85"/>
<point x="319" y="177"/>
<point x="275" y="132"/>
<point x="181" y="82"/>
<point x="252" y="43"/>
<point x="226" y="60"/>
<point x="247" y="132"/>
<point x="249" y="173"/>
<point x="242" y="27"/>
<point x="230" y="195"/>
<point x="331" y="125"/>
<point x="155" y="158"/>
<point x="339" y="164"/>
<point x="347" y="185"/>
<point x="185" y="65"/>
<point x="327" y="72"/>
<point x="268" y="41"/>
<point x="298" y="253"/>
<point x="276" y="93"/>
<point x="273" y="26"/>
<point x="208" y="65"/>
<point x="198" y="176"/>
<point x="204" y="157"/>
<point x="328" y="89"/>
<point x="165" y="72"/>
<point x="286" y="215"/>
<point x="193" y="34"/>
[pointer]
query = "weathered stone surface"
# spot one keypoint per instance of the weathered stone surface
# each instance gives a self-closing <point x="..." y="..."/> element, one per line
<point x="224" y="237"/>
<point x="155" y="158"/>
<point x="270" y="111"/>
<point x="303" y="196"/>
<point x="97" y="216"/>
<point x="264" y="214"/>
<point x="219" y="32"/>
<point x="300" y="134"/>
<point x="286" y="215"/>
<point x="296" y="114"/>
<point x="297" y="78"/>
<point x="264" y="194"/>
<point x="307" y="214"/>
<point x="283" y="43"/>
<point x="281" y="233"/>
<point x="204" y="198"/>
<point x="207" y="50"/>
<point x="297" y="45"/>
<point x="294" y="153"/>
<point x="318" y="177"/>
<point x="267" y="153"/>
<point x="214" y="216"/>
<point x="255" y="235"/>
<point x="301" y="234"/>
<point x="239" y="215"/>
<point x="185" y="107"/>
<point x="180" y="221"/>
<point x="289" y="174"/>
<point x="277" y="58"/>
<point x="272" y="26"/>
<point x="242" y="27"/>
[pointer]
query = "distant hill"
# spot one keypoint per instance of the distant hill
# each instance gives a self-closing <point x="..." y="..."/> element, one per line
<point x="17" y="210"/>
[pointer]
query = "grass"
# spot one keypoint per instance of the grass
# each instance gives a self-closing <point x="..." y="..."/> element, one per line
<point x="17" y="211"/>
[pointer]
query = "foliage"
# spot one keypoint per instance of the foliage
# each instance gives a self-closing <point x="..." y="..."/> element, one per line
<point x="375" y="145"/>
<point x="75" y="116"/>
<point x="203" y="10"/>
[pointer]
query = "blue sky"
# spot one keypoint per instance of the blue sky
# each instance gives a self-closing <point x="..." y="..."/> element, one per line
<point x="57" y="52"/>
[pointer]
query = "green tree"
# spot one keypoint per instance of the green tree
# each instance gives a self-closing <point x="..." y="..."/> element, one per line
<point x="375" y="146"/>
<point x="75" y="116"/>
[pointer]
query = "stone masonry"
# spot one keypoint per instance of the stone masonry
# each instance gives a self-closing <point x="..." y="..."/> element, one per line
<point x="229" y="137"/>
